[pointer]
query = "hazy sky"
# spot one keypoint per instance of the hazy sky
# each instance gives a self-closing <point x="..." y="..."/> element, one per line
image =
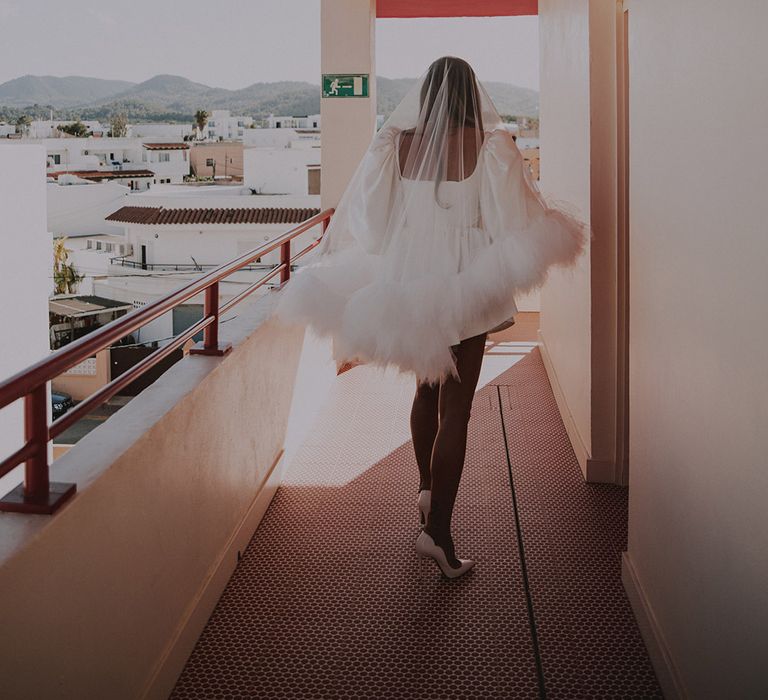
<point x="244" y="42"/>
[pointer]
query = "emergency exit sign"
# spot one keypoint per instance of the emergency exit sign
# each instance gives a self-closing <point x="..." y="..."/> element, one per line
<point x="335" y="85"/>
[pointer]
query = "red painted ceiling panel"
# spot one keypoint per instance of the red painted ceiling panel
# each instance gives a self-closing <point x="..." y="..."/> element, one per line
<point x="455" y="8"/>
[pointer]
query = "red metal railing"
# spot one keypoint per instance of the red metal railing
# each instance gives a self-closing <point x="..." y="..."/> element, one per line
<point x="37" y="494"/>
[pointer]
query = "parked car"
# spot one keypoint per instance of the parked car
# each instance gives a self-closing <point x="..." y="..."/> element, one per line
<point x="60" y="403"/>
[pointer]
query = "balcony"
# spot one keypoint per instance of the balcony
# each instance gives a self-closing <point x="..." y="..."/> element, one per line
<point x="256" y="518"/>
<point x="329" y="599"/>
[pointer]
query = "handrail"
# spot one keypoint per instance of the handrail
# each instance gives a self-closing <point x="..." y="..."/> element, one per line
<point x="37" y="494"/>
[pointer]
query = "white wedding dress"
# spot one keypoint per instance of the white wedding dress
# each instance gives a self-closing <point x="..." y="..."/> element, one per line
<point x="448" y="270"/>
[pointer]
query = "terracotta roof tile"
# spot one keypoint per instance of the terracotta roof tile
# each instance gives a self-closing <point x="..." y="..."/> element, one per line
<point x="166" y="146"/>
<point x="104" y="174"/>
<point x="242" y="215"/>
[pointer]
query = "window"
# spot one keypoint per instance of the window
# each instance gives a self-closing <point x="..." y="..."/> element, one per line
<point x="313" y="180"/>
<point x="56" y="158"/>
<point x="164" y="158"/>
<point x="209" y="162"/>
<point x="211" y="123"/>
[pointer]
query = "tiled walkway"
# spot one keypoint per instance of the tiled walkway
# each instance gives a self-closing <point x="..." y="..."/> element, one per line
<point x="331" y="601"/>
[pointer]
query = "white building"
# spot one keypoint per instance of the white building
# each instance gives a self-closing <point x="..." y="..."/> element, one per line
<point x="289" y="170"/>
<point x="25" y="281"/>
<point x="306" y="121"/>
<point x="171" y="234"/>
<point x="222" y="126"/>
<point x="279" y="138"/>
<point x="161" y="132"/>
<point x="77" y="207"/>
<point x="6" y="130"/>
<point x="138" y="163"/>
<point x="49" y="128"/>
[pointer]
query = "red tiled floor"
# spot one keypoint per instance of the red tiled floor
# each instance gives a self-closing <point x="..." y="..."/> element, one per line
<point x="331" y="601"/>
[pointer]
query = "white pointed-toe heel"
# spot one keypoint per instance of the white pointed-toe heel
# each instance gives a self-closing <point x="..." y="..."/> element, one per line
<point x="426" y="547"/>
<point x="425" y="497"/>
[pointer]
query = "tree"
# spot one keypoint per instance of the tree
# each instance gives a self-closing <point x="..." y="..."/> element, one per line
<point x="201" y="119"/>
<point x="118" y="125"/>
<point x="75" y="129"/>
<point x="65" y="276"/>
<point x="22" y="124"/>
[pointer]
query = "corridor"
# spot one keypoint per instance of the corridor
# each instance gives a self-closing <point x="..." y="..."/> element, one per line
<point x="329" y="599"/>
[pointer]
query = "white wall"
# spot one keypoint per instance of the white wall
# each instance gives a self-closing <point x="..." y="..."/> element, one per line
<point x="279" y="170"/>
<point x="565" y="174"/>
<point x="160" y="131"/>
<point x="698" y="539"/>
<point x="209" y="245"/>
<point x="278" y="138"/>
<point x="79" y="210"/>
<point x="25" y="280"/>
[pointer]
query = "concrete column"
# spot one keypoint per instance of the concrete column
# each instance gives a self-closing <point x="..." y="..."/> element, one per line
<point x="346" y="46"/>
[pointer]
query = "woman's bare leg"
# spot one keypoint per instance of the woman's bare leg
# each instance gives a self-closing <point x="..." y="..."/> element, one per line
<point x="424" y="429"/>
<point x="454" y="407"/>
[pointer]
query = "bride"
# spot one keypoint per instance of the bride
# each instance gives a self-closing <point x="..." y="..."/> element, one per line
<point x="438" y="230"/>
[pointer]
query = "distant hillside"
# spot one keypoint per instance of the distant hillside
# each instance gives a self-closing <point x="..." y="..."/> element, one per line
<point x="58" y="92"/>
<point x="508" y="99"/>
<point x="174" y="98"/>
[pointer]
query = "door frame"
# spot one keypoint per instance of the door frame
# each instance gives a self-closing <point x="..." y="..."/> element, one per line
<point x="622" y="242"/>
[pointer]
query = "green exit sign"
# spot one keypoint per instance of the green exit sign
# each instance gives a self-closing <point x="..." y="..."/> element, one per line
<point x="335" y="85"/>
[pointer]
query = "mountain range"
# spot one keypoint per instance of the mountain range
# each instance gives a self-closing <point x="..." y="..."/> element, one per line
<point x="174" y="98"/>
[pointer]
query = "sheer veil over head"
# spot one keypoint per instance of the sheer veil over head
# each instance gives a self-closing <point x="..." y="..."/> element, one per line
<point x="440" y="226"/>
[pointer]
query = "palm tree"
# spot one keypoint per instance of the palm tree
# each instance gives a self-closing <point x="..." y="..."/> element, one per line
<point x="23" y="123"/>
<point x="65" y="276"/>
<point x="201" y="119"/>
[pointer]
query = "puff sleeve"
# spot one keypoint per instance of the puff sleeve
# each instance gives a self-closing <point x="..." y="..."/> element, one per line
<point x="530" y="234"/>
<point x="364" y="211"/>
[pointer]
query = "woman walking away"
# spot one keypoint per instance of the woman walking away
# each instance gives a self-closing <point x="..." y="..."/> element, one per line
<point x="438" y="230"/>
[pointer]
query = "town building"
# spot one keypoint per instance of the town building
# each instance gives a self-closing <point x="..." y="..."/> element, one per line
<point x="137" y="163"/>
<point x="49" y="128"/>
<point x="222" y="126"/>
<point x="161" y="131"/>
<point x="307" y="121"/>
<point x="217" y="160"/>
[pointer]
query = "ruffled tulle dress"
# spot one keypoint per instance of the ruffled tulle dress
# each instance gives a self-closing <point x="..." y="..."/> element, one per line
<point x="403" y="295"/>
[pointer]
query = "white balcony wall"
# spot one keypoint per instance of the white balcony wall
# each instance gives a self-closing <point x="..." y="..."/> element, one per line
<point x="169" y="490"/>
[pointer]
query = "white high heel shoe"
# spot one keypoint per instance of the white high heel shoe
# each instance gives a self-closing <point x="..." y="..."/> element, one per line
<point x="426" y="547"/>
<point x="425" y="498"/>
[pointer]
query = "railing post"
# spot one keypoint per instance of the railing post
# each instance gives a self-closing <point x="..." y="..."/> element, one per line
<point x="37" y="494"/>
<point x="36" y="480"/>
<point x="210" y="344"/>
<point x="285" y="259"/>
